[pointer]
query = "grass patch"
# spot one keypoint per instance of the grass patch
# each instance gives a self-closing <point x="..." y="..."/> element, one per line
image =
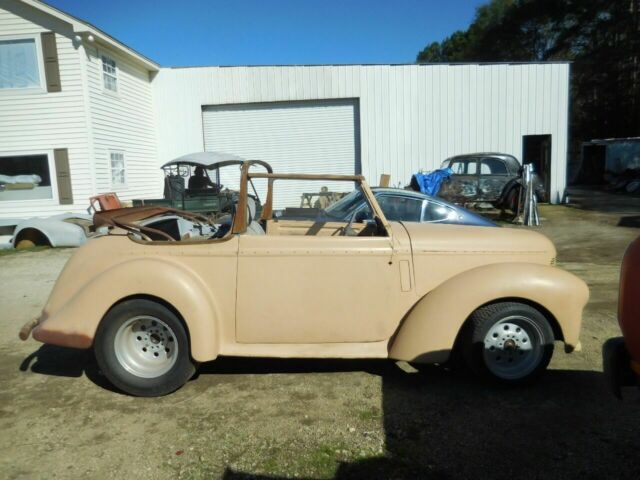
<point x="4" y="252"/>
<point x="324" y="459"/>
<point x="372" y="413"/>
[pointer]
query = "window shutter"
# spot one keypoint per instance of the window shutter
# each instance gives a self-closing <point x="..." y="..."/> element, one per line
<point x="63" y="174"/>
<point x="51" y="67"/>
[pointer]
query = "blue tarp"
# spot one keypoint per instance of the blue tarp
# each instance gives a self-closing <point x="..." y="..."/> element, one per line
<point x="429" y="183"/>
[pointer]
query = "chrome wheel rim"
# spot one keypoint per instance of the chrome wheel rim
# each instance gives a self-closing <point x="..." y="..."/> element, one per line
<point x="146" y="347"/>
<point x="513" y="347"/>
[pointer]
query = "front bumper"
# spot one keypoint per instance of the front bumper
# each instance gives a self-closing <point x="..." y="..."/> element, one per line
<point x="619" y="369"/>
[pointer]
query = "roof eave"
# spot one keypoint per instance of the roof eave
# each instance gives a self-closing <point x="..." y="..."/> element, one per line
<point x="80" y="26"/>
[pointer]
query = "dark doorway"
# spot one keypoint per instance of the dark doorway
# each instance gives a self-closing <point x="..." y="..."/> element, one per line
<point x="594" y="158"/>
<point x="536" y="149"/>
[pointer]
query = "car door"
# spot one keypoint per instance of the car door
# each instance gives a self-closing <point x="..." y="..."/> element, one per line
<point x="493" y="176"/>
<point x="462" y="186"/>
<point x="310" y="289"/>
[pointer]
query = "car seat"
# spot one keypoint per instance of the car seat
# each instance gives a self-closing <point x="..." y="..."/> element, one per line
<point x="173" y="187"/>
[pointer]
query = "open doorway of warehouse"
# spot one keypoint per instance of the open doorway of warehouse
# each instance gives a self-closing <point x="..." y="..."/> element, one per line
<point x="536" y="149"/>
<point x="594" y="158"/>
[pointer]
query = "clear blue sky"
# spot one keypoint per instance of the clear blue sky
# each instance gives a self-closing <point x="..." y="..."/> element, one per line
<point x="255" y="32"/>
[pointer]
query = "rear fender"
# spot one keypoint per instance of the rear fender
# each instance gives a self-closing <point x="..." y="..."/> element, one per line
<point x="509" y="186"/>
<point x="56" y="232"/>
<point x="75" y="323"/>
<point x="429" y="331"/>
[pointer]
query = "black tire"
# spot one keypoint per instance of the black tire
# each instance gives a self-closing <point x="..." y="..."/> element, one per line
<point x="511" y="203"/>
<point x="508" y="342"/>
<point x="180" y="369"/>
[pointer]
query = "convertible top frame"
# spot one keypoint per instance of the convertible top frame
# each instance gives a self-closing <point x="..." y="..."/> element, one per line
<point x="240" y="220"/>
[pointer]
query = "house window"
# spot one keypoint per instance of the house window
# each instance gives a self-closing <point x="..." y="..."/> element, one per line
<point x="118" y="177"/>
<point x="19" y="64"/>
<point x="109" y="74"/>
<point x="25" y="177"/>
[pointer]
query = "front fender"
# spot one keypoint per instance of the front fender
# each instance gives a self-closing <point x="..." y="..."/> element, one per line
<point x="428" y="332"/>
<point x="74" y="323"/>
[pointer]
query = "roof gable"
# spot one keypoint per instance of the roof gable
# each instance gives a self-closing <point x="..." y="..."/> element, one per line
<point x="86" y="29"/>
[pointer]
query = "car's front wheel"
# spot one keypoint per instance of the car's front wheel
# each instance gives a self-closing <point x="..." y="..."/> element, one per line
<point x="508" y="341"/>
<point x="142" y="347"/>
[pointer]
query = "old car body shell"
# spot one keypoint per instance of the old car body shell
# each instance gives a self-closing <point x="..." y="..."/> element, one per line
<point x="58" y="230"/>
<point x="404" y="295"/>
<point x="183" y="277"/>
<point x="469" y="188"/>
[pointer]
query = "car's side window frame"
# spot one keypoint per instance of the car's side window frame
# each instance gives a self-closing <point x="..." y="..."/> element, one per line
<point x="434" y="202"/>
<point x="504" y="164"/>
<point x="400" y="195"/>
<point x="478" y="163"/>
<point x="423" y="212"/>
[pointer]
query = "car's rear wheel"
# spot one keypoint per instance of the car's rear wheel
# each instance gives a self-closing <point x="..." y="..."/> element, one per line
<point x="511" y="203"/>
<point x="142" y="347"/>
<point x="508" y="341"/>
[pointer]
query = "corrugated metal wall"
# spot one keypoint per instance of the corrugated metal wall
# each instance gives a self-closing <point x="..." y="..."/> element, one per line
<point x="411" y="116"/>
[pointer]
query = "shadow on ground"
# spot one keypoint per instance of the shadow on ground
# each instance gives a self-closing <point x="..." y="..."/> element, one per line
<point x="597" y="199"/>
<point x="443" y="424"/>
<point x="631" y="221"/>
<point x="65" y="362"/>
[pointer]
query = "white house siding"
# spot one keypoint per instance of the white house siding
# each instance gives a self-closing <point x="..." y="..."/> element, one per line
<point x="411" y="116"/>
<point x="44" y="121"/>
<point x="123" y="122"/>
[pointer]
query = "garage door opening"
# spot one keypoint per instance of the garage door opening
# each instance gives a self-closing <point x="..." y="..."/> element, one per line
<point x="319" y="136"/>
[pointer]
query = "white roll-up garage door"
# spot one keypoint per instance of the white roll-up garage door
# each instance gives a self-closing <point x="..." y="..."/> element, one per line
<point x="294" y="137"/>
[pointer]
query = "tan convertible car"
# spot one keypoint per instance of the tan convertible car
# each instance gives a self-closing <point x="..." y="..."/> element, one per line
<point x="165" y="289"/>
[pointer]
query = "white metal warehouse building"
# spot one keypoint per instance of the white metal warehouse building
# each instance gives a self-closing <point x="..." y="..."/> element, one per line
<point x="91" y="115"/>
<point x="370" y="119"/>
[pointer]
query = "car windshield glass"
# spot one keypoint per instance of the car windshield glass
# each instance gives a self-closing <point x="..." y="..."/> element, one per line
<point x="345" y="207"/>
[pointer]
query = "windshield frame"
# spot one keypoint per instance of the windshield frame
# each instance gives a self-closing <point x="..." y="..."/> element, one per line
<point x="240" y="219"/>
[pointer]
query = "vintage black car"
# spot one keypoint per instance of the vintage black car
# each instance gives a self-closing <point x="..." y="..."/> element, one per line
<point x="494" y="178"/>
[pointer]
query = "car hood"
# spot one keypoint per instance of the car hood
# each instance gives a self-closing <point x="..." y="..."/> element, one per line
<point x="502" y="244"/>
